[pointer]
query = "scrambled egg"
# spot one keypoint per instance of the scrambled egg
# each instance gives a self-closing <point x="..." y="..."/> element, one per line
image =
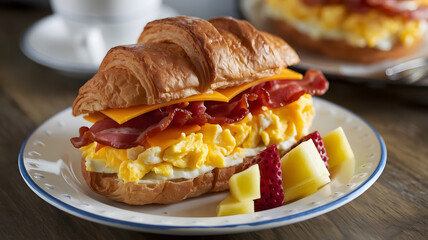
<point x="211" y="146"/>
<point x="372" y="29"/>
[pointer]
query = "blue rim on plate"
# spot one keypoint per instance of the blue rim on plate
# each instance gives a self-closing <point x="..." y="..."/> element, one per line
<point x="142" y="226"/>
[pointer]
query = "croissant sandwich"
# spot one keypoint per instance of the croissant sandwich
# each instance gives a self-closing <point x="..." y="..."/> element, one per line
<point x="177" y="114"/>
<point x="364" y="31"/>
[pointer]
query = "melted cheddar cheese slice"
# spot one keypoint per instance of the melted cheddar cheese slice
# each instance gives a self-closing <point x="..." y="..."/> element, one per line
<point x="122" y="115"/>
<point x="284" y="74"/>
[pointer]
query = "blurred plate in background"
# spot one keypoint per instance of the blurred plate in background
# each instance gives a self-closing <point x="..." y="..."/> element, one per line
<point x="371" y="74"/>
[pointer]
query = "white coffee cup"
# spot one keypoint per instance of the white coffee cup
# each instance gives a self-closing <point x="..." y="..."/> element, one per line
<point x="95" y="26"/>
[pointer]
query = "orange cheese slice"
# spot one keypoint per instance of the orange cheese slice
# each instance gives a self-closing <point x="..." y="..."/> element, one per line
<point x="285" y="74"/>
<point x="170" y="135"/>
<point x="122" y="115"/>
<point x="94" y="117"/>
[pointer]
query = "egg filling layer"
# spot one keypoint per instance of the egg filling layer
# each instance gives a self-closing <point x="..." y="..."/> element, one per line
<point x="211" y="146"/>
<point x="373" y="29"/>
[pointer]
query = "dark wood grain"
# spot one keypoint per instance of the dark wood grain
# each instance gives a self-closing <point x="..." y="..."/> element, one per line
<point x="395" y="207"/>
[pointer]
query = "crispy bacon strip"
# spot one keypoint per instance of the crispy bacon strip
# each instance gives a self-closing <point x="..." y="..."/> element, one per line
<point x="136" y="131"/>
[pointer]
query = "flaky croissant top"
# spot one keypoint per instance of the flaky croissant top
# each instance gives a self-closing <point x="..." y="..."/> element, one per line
<point x="183" y="56"/>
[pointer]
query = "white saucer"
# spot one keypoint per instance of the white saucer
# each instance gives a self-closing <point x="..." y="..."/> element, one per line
<point x="47" y="42"/>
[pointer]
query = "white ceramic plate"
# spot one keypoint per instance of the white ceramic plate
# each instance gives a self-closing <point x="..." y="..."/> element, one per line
<point x="51" y="167"/>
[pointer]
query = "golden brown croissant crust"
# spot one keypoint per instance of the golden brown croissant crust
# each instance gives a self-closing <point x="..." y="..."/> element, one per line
<point x="170" y="191"/>
<point x="183" y="56"/>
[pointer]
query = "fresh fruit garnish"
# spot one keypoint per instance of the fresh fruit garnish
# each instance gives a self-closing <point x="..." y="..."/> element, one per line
<point x="244" y="188"/>
<point x="231" y="206"/>
<point x="304" y="171"/>
<point x="338" y="147"/>
<point x="272" y="192"/>
<point x="246" y="184"/>
<point x="319" y="144"/>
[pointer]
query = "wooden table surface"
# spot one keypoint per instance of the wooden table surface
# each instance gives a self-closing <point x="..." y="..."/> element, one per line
<point x="395" y="207"/>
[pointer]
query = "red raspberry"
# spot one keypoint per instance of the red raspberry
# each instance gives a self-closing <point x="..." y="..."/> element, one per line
<point x="271" y="191"/>
<point x="317" y="139"/>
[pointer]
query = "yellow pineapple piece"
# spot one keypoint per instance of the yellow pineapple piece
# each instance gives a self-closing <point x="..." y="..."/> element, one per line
<point x="303" y="171"/>
<point x="244" y="188"/>
<point x="337" y="147"/>
<point x="246" y="184"/>
<point x="231" y="206"/>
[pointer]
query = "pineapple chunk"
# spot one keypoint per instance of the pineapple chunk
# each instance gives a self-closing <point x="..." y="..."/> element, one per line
<point x="231" y="206"/>
<point x="246" y="184"/>
<point x="303" y="171"/>
<point x="244" y="188"/>
<point x="337" y="147"/>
